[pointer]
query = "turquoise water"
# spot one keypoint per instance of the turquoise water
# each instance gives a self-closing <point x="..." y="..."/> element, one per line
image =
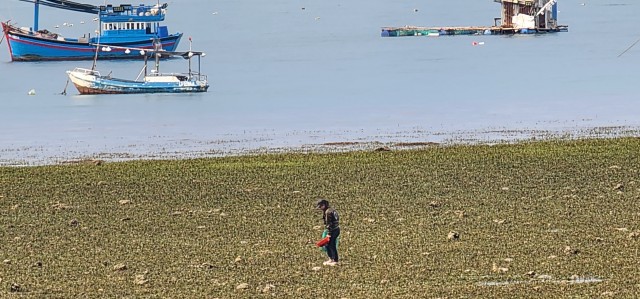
<point x="284" y="77"/>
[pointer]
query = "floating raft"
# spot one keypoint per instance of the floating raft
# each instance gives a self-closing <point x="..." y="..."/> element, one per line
<point x="438" y="31"/>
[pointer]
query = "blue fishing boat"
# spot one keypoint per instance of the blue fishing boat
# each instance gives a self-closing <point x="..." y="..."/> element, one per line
<point x="123" y="27"/>
<point x="90" y="81"/>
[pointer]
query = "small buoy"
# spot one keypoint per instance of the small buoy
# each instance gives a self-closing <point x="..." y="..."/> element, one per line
<point x="32" y="92"/>
<point x="302" y="8"/>
<point x="56" y="26"/>
<point x="474" y="43"/>
<point x="81" y="22"/>
<point x="317" y="18"/>
<point x="214" y="13"/>
<point x="415" y="10"/>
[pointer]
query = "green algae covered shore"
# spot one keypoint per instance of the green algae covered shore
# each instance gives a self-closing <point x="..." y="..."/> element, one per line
<point x="526" y="220"/>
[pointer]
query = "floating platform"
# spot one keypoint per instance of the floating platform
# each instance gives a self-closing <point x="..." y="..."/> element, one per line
<point x="438" y="31"/>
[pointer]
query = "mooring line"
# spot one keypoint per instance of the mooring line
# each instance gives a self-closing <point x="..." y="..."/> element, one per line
<point x="64" y="92"/>
<point x="625" y="51"/>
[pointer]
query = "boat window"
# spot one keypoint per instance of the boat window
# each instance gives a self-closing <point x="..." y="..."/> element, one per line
<point x="110" y="26"/>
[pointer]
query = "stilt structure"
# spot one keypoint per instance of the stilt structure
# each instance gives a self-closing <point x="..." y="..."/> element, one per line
<point x="517" y="17"/>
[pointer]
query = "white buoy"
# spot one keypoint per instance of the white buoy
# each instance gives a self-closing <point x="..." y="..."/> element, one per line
<point x="32" y="92"/>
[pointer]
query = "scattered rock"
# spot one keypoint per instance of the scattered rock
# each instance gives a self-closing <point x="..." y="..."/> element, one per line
<point x="73" y="222"/>
<point x="38" y="264"/>
<point x="460" y="214"/>
<point x="453" y="236"/>
<point x="237" y="260"/>
<point x="316" y="268"/>
<point x="497" y="269"/>
<point x="207" y="266"/>
<point x="619" y="187"/>
<point x="570" y="251"/>
<point x="531" y="274"/>
<point x="504" y="188"/>
<point x="268" y="288"/>
<point x="140" y="279"/>
<point x="242" y="286"/>
<point x="60" y="206"/>
<point x="124" y="201"/>
<point x="120" y="267"/>
<point x="499" y="221"/>
<point x="634" y="235"/>
<point x="434" y="204"/>
<point x="383" y="149"/>
<point x="15" y="288"/>
<point x="7" y="261"/>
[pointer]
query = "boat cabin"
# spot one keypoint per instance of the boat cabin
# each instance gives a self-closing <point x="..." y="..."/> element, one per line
<point x="128" y="20"/>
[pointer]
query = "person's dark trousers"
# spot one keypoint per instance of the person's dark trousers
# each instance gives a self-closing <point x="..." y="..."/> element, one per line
<point x="332" y="250"/>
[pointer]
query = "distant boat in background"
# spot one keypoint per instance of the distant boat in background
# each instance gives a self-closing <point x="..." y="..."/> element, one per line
<point x="123" y="27"/>
<point x="90" y="81"/>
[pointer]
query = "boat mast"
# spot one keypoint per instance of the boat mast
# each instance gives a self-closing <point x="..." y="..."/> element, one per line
<point x="36" y="13"/>
<point x="190" y="54"/>
<point x="157" y="46"/>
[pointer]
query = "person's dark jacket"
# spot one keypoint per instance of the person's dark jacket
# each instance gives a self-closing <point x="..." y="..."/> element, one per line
<point x="331" y="219"/>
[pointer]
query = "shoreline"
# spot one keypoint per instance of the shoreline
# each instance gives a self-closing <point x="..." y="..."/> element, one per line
<point x="39" y="155"/>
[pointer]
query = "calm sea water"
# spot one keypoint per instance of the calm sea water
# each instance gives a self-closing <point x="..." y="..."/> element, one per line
<point x="287" y="77"/>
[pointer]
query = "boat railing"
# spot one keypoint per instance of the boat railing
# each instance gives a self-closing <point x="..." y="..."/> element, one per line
<point x="86" y="71"/>
<point x="188" y="76"/>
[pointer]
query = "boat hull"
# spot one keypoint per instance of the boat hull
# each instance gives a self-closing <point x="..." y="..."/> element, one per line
<point x="30" y="47"/>
<point x="89" y="83"/>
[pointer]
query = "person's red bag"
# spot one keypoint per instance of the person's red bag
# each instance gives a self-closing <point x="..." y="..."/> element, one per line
<point x="323" y="242"/>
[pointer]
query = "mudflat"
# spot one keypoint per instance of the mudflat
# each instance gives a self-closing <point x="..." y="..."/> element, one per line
<point x="555" y="218"/>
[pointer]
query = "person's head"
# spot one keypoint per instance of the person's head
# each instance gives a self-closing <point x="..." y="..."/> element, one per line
<point x="322" y="204"/>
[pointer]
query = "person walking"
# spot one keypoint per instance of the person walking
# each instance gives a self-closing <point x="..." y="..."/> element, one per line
<point x="332" y="225"/>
